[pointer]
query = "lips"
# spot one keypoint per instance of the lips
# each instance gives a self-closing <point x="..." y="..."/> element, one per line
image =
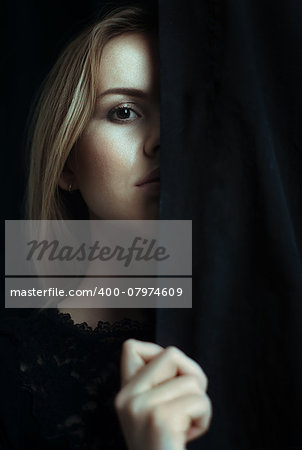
<point x="150" y="178"/>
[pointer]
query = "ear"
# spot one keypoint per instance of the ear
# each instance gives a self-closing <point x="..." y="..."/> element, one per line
<point x="67" y="180"/>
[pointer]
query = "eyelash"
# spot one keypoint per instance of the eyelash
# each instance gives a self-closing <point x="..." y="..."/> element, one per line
<point x="121" y="108"/>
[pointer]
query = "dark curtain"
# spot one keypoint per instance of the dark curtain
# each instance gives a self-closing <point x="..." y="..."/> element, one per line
<point x="232" y="162"/>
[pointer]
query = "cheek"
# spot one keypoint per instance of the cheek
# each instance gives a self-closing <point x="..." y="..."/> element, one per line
<point x="106" y="156"/>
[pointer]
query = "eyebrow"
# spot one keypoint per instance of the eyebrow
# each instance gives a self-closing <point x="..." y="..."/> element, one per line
<point x="124" y="91"/>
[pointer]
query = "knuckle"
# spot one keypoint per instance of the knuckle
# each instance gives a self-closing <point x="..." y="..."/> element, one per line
<point x="118" y="401"/>
<point x="195" y="383"/>
<point x="128" y="344"/>
<point x="173" y="351"/>
<point x="205" y="380"/>
<point x="133" y="407"/>
<point x="129" y="407"/>
<point x="208" y="413"/>
<point x="156" y="417"/>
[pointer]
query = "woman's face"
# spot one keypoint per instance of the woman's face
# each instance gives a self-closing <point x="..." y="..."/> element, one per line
<point x="120" y="146"/>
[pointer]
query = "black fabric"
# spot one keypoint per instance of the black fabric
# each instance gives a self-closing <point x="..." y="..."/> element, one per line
<point x="232" y="162"/>
<point x="59" y="381"/>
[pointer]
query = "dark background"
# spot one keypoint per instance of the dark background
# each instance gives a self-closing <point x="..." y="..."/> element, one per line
<point x="231" y="161"/>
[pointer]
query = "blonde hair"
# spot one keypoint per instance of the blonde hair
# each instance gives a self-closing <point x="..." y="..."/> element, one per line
<point x="63" y="111"/>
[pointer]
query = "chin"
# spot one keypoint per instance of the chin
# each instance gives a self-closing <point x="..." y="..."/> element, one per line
<point x="147" y="212"/>
<point x="150" y="215"/>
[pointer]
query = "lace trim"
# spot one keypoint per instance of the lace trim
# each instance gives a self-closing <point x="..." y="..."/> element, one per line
<point x="72" y="373"/>
<point x="104" y="326"/>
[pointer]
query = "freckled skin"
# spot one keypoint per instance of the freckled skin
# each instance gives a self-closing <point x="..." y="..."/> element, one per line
<point x="114" y="153"/>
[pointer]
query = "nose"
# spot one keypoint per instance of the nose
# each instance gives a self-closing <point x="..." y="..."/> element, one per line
<point x="152" y="141"/>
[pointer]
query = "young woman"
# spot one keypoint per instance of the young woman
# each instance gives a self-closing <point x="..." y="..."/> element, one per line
<point x="93" y="379"/>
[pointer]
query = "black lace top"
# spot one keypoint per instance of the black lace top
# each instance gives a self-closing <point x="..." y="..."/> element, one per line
<point x="59" y="379"/>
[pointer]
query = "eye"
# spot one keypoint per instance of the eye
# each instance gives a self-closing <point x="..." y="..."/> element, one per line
<point x="123" y="114"/>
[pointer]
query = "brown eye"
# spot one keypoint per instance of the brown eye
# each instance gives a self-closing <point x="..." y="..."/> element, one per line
<point x="123" y="114"/>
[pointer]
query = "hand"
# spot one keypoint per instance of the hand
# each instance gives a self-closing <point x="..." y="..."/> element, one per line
<point x="162" y="403"/>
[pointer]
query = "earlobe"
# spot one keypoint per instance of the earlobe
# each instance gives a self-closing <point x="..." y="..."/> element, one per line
<point x="67" y="180"/>
<point x="67" y="183"/>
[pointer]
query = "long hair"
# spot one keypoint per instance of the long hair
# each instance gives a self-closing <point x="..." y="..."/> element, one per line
<point x="65" y="106"/>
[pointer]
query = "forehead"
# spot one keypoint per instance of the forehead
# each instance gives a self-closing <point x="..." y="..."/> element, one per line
<point x="129" y="60"/>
